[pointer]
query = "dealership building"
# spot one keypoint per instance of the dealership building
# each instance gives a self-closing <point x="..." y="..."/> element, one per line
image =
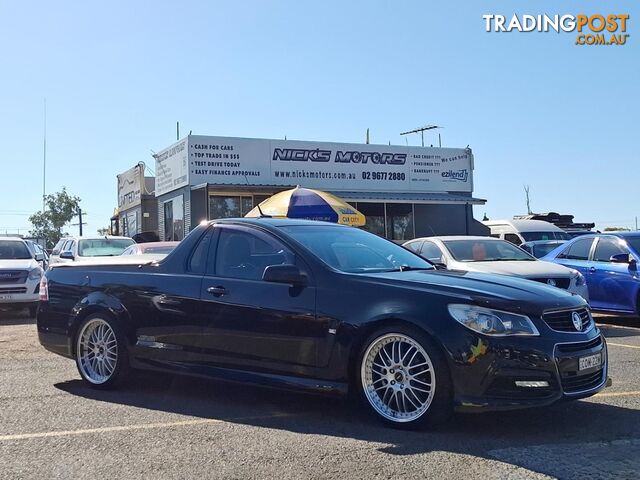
<point x="404" y="192"/>
<point x="137" y="204"/>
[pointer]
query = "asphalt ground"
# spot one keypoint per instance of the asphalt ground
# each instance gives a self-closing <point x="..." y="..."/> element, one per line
<point x="52" y="426"/>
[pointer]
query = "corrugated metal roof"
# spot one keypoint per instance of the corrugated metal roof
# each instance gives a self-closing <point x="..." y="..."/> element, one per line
<point x="443" y="197"/>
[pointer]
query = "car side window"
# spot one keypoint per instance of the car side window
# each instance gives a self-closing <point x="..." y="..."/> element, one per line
<point x="245" y="253"/>
<point x="513" y="238"/>
<point x="607" y="247"/>
<point x="198" y="259"/>
<point x="432" y="252"/>
<point x="579" y="250"/>
<point x="66" y="246"/>
<point x="56" y="250"/>
<point x="415" y="246"/>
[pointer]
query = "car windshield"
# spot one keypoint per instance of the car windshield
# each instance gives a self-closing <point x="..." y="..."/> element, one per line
<point x="103" y="247"/>
<point x="14" y="250"/>
<point x="479" y="250"/>
<point x="355" y="251"/>
<point x="531" y="236"/>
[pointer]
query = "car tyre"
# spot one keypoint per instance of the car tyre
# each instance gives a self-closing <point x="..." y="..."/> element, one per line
<point x="101" y="352"/>
<point x="403" y="378"/>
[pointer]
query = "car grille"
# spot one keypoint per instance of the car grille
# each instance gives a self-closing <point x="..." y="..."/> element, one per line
<point x="580" y="346"/>
<point x="567" y="355"/>
<point x="558" y="282"/>
<point x="7" y="291"/>
<point x="13" y="276"/>
<point x="562" y="321"/>
<point x="579" y="383"/>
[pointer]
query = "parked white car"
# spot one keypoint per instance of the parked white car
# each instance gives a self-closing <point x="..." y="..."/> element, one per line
<point x="83" y="248"/>
<point x="492" y="255"/>
<point x="20" y="275"/>
<point x="520" y="231"/>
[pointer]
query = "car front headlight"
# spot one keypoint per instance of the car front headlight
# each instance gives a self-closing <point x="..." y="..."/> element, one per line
<point x="492" y="322"/>
<point x="579" y="278"/>
<point x="35" y="273"/>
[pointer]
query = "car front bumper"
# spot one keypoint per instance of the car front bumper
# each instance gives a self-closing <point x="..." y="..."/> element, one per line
<point x="485" y="373"/>
<point x="20" y="293"/>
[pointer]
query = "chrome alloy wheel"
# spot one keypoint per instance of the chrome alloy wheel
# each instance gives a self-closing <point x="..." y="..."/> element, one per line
<point x="398" y="377"/>
<point x="97" y="351"/>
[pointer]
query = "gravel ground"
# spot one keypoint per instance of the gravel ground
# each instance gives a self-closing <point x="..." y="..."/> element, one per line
<point x="169" y="427"/>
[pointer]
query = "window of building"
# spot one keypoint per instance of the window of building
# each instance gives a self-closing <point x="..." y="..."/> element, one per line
<point x="400" y="221"/>
<point x="374" y="214"/>
<point x="232" y="206"/>
<point x="129" y="224"/>
<point x="174" y="219"/>
<point x="224" y="207"/>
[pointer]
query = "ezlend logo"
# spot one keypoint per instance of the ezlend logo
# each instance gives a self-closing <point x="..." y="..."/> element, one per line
<point x="592" y="29"/>
<point x="458" y="175"/>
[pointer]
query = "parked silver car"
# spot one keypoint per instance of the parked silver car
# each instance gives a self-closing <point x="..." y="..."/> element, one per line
<point x="492" y="255"/>
<point x="83" y="248"/>
<point x="20" y="275"/>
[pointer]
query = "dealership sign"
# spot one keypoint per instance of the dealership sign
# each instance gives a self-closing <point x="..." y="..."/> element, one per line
<point x="130" y="185"/>
<point x="321" y="165"/>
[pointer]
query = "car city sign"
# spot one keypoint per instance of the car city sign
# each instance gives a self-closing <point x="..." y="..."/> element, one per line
<point x="596" y="29"/>
<point x="197" y="160"/>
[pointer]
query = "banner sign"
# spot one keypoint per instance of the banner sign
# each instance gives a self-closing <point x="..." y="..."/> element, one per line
<point x="130" y="185"/>
<point x="172" y="171"/>
<point x="321" y="165"/>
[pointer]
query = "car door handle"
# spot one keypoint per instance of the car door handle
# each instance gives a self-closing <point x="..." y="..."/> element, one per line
<point x="217" y="291"/>
<point x="592" y="269"/>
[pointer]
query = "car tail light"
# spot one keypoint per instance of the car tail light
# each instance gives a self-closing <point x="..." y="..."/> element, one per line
<point x="44" y="290"/>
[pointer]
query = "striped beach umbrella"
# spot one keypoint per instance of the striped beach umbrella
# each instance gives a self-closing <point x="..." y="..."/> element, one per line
<point x="309" y="204"/>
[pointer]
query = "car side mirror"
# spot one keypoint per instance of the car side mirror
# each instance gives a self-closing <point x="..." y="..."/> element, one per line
<point x="621" y="258"/>
<point x="39" y="257"/>
<point x="285" y="273"/>
<point x="67" y="255"/>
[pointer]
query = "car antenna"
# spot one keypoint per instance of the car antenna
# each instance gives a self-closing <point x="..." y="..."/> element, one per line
<point x="262" y="215"/>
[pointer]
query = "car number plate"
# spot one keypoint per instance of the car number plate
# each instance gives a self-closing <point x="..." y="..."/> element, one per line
<point x="6" y="297"/>
<point x="590" y="361"/>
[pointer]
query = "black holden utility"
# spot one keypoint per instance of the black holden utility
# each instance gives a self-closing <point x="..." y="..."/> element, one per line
<point x="327" y="309"/>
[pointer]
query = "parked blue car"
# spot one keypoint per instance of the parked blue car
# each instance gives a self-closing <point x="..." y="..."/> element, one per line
<point x="609" y="263"/>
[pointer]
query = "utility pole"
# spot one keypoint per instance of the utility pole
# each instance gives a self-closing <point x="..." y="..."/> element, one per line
<point x="80" y="222"/>
<point x="421" y="131"/>
<point x="44" y="157"/>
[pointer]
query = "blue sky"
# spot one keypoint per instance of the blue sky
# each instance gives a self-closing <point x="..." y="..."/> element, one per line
<point x="535" y="108"/>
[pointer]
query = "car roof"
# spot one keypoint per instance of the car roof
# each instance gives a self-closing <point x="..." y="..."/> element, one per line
<point x="98" y="237"/>
<point x="275" y="222"/>
<point x="459" y="237"/>
<point x="13" y="239"/>
<point x="542" y="242"/>
<point x="525" y="225"/>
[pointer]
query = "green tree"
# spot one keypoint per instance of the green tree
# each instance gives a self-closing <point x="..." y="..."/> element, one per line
<point x="60" y="209"/>
<point x="616" y="229"/>
<point x="104" y="231"/>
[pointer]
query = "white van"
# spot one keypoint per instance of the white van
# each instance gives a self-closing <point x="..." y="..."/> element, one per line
<point x="520" y="231"/>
